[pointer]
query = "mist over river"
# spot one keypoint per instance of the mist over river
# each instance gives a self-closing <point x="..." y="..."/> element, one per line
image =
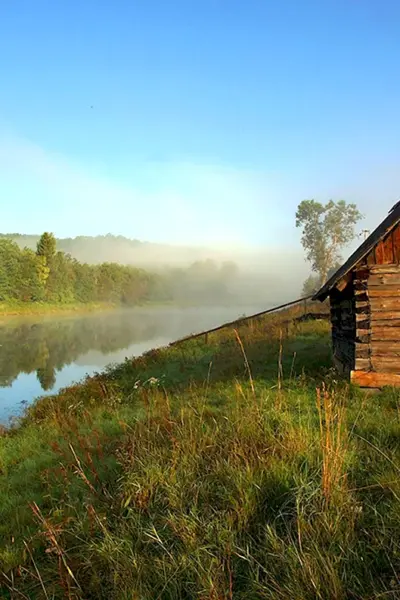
<point x="41" y="355"/>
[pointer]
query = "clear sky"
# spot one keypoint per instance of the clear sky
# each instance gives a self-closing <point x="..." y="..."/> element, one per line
<point x="202" y="121"/>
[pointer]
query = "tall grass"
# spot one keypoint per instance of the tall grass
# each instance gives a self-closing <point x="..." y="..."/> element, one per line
<point x="189" y="474"/>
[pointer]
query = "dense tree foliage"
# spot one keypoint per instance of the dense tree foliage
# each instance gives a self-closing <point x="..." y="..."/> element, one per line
<point x="53" y="276"/>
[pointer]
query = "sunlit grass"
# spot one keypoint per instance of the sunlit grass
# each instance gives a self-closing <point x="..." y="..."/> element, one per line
<point x="190" y="473"/>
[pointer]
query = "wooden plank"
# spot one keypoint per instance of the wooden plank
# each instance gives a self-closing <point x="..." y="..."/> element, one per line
<point x="388" y="268"/>
<point x="374" y="380"/>
<point x="362" y="337"/>
<point x="371" y="260"/>
<point x="378" y="303"/>
<point x="385" y="317"/>
<point x="379" y="253"/>
<point x="361" y="295"/>
<point x="386" y="364"/>
<point x="384" y="291"/>
<point x="396" y="244"/>
<point x="384" y="348"/>
<point x="360" y="285"/>
<point x="384" y="251"/>
<point x="383" y="279"/>
<point x="342" y="283"/>
<point x="363" y="364"/>
<point x="363" y="309"/>
<point x="364" y="324"/>
<point x="382" y="334"/>
<point x="362" y="351"/>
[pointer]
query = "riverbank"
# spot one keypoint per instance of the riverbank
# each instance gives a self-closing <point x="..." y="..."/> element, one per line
<point x="16" y="309"/>
<point x="215" y="470"/>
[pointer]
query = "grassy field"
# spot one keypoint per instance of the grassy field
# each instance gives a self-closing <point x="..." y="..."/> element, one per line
<point x="239" y="468"/>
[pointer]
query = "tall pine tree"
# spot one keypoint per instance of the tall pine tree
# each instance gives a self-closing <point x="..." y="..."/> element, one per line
<point x="46" y="247"/>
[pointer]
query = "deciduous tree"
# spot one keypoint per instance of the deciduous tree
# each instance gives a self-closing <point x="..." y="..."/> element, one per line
<point x="326" y="230"/>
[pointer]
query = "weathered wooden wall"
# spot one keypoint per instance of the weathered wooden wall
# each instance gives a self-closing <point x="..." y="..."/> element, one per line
<point x="343" y="328"/>
<point x="377" y="308"/>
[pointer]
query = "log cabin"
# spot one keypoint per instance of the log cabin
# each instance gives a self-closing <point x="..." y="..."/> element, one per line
<point x="364" y="297"/>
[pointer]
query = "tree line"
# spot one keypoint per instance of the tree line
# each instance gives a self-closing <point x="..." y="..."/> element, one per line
<point x="48" y="275"/>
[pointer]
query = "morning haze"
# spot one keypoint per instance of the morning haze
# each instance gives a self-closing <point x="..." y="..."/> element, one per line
<point x="170" y="173"/>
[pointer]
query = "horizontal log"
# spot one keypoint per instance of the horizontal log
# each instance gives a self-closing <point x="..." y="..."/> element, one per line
<point x="363" y="310"/>
<point x="383" y="279"/>
<point x="360" y="285"/>
<point x="361" y="333"/>
<point x="361" y="295"/>
<point x="363" y="338"/>
<point x="385" y="316"/>
<point x="361" y="318"/>
<point x="362" y="351"/>
<point x="380" y="303"/>
<point x="385" y="364"/>
<point x="385" y="334"/>
<point x="374" y="380"/>
<point x="384" y="291"/>
<point x="390" y="268"/>
<point x="363" y="364"/>
<point x="385" y="348"/>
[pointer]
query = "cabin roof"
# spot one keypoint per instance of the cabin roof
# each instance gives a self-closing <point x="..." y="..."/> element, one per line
<point x="362" y="251"/>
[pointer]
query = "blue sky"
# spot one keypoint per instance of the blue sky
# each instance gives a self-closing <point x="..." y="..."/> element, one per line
<point x="196" y="121"/>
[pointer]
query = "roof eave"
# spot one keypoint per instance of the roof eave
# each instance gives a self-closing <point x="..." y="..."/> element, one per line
<point x="362" y="251"/>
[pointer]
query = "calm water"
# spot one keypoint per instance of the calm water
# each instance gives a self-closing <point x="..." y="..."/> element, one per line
<point x="40" y="355"/>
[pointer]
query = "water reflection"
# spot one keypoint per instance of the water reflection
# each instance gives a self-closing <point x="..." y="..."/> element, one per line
<point x="42" y="355"/>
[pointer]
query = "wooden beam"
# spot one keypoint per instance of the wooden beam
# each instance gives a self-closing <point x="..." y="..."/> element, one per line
<point x="343" y="282"/>
<point x="393" y="269"/>
<point x="385" y="304"/>
<point x="362" y="351"/>
<point x="363" y="364"/>
<point x="384" y="291"/>
<point x="385" y="334"/>
<point x="386" y="364"/>
<point x="396" y="244"/>
<point x="378" y="279"/>
<point x="385" y="318"/>
<point x="385" y="348"/>
<point x="374" y="380"/>
<point x="384" y="251"/>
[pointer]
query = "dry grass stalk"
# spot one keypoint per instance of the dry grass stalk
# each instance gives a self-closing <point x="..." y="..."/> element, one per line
<point x="280" y="367"/>
<point x="333" y="440"/>
<point x="246" y="362"/>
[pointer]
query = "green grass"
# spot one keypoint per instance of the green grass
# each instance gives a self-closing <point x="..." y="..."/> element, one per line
<point x="207" y="471"/>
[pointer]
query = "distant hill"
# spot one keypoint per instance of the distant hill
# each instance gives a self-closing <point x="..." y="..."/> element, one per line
<point x="119" y="249"/>
<point x="267" y="276"/>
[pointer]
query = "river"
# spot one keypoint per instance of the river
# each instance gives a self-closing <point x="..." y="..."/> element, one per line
<point x="41" y="355"/>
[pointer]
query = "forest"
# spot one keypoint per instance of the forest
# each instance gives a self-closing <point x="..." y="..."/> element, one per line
<point x="47" y="274"/>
